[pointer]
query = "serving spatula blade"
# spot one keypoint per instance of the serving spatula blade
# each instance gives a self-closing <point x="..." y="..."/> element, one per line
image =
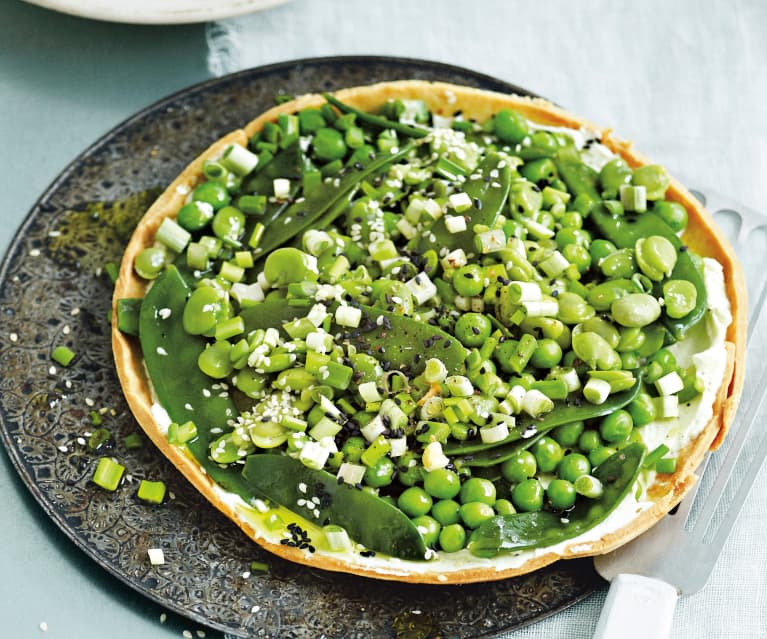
<point x="676" y="556"/>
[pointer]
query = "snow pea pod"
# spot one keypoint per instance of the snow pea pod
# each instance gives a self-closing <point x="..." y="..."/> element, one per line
<point x="367" y="518"/>
<point x="488" y="190"/>
<point x="377" y="120"/>
<point x="301" y="215"/>
<point x="624" y="231"/>
<point x="401" y="343"/>
<point x="482" y="454"/>
<point x="168" y="349"/>
<point x="509" y="533"/>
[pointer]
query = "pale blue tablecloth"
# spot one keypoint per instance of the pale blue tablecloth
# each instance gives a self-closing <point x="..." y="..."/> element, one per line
<point x="685" y="80"/>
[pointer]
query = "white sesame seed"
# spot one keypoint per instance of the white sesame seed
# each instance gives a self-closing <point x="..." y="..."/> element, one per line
<point x="52" y="370"/>
<point x="81" y="441"/>
<point x="246" y="574"/>
<point x="74" y="312"/>
<point x="14" y="337"/>
<point x="255" y="609"/>
<point x="43" y="626"/>
<point x="163" y="617"/>
<point x="34" y="252"/>
<point x="63" y="449"/>
<point x="200" y="633"/>
<point x="89" y="402"/>
<point x="186" y="634"/>
<point x="161" y="351"/>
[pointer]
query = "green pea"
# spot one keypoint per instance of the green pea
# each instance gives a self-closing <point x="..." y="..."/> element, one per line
<point x="542" y="144"/>
<point x="630" y="361"/>
<point x="680" y="297"/>
<point x="570" y="235"/>
<point x="452" y="538"/>
<point x="195" y="215"/>
<point x="642" y="409"/>
<point x="618" y="265"/>
<point x="353" y="448"/>
<point x="548" y="453"/>
<point x="656" y="256"/>
<point x="672" y="213"/>
<point x="214" y="360"/>
<point x="547" y="354"/>
<point x="561" y="494"/>
<point x="446" y="511"/>
<point x="665" y="359"/>
<point x="469" y="280"/>
<point x="205" y="307"/>
<point x="527" y="496"/>
<point x="573" y="309"/>
<point x="600" y="455"/>
<point x="589" y="440"/>
<point x="429" y="528"/>
<point x="572" y="466"/>
<point x="380" y="474"/>
<point x="613" y="175"/>
<point x="229" y="224"/>
<point x="539" y="171"/>
<point x="654" y="178"/>
<point x="510" y="126"/>
<point x="616" y="426"/>
<point x="329" y="144"/>
<point x="414" y="501"/>
<point x="578" y="255"/>
<point x="476" y="512"/>
<point x="310" y="120"/>
<point x="567" y="435"/>
<point x="572" y="219"/>
<point x="150" y="262"/>
<point x="504" y="507"/>
<point x="478" y="489"/>
<point x="442" y="483"/>
<point x="473" y="329"/>
<point x="600" y="249"/>
<point x="212" y="193"/>
<point x="635" y="310"/>
<point x="409" y="469"/>
<point x="520" y="466"/>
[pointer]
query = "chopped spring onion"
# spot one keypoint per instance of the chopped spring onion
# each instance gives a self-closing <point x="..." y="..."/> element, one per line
<point x="554" y="265"/>
<point x="314" y="455"/>
<point x="490" y="241"/>
<point x="535" y="403"/>
<point x="492" y="434"/>
<point x="173" y="235"/>
<point x="435" y="371"/>
<point x="669" y="384"/>
<point x="108" y="473"/>
<point x="373" y="428"/>
<point x="455" y="223"/>
<point x="369" y="392"/>
<point x="349" y="316"/>
<point x="337" y="538"/>
<point x="133" y="441"/>
<point x="281" y="188"/>
<point x="667" y="406"/>
<point x="633" y="198"/>
<point x="459" y="386"/>
<point x="63" y="355"/>
<point x="596" y="390"/>
<point x="151" y="491"/>
<point x="460" y="201"/>
<point x="422" y="288"/>
<point x="524" y="292"/>
<point x="239" y="159"/>
<point x="542" y="308"/>
<point x="667" y="465"/>
<point x="351" y="473"/>
<point x="589" y="486"/>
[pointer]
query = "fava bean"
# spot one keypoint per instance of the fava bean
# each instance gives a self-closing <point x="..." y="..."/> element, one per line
<point x="635" y="310"/>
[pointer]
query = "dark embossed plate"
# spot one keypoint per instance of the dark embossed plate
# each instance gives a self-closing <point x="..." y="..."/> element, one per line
<point x="52" y="293"/>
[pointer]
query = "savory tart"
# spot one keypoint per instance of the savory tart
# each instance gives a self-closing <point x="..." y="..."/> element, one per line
<point x="423" y="332"/>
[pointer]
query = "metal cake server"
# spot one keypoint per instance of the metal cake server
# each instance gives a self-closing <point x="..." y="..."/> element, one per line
<point x="676" y="556"/>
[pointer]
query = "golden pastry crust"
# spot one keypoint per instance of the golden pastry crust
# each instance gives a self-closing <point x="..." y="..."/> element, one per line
<point x="702" y="236"/>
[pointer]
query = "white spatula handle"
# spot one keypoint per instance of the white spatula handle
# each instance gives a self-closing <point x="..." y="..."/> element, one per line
<point x="637" y="608"/>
